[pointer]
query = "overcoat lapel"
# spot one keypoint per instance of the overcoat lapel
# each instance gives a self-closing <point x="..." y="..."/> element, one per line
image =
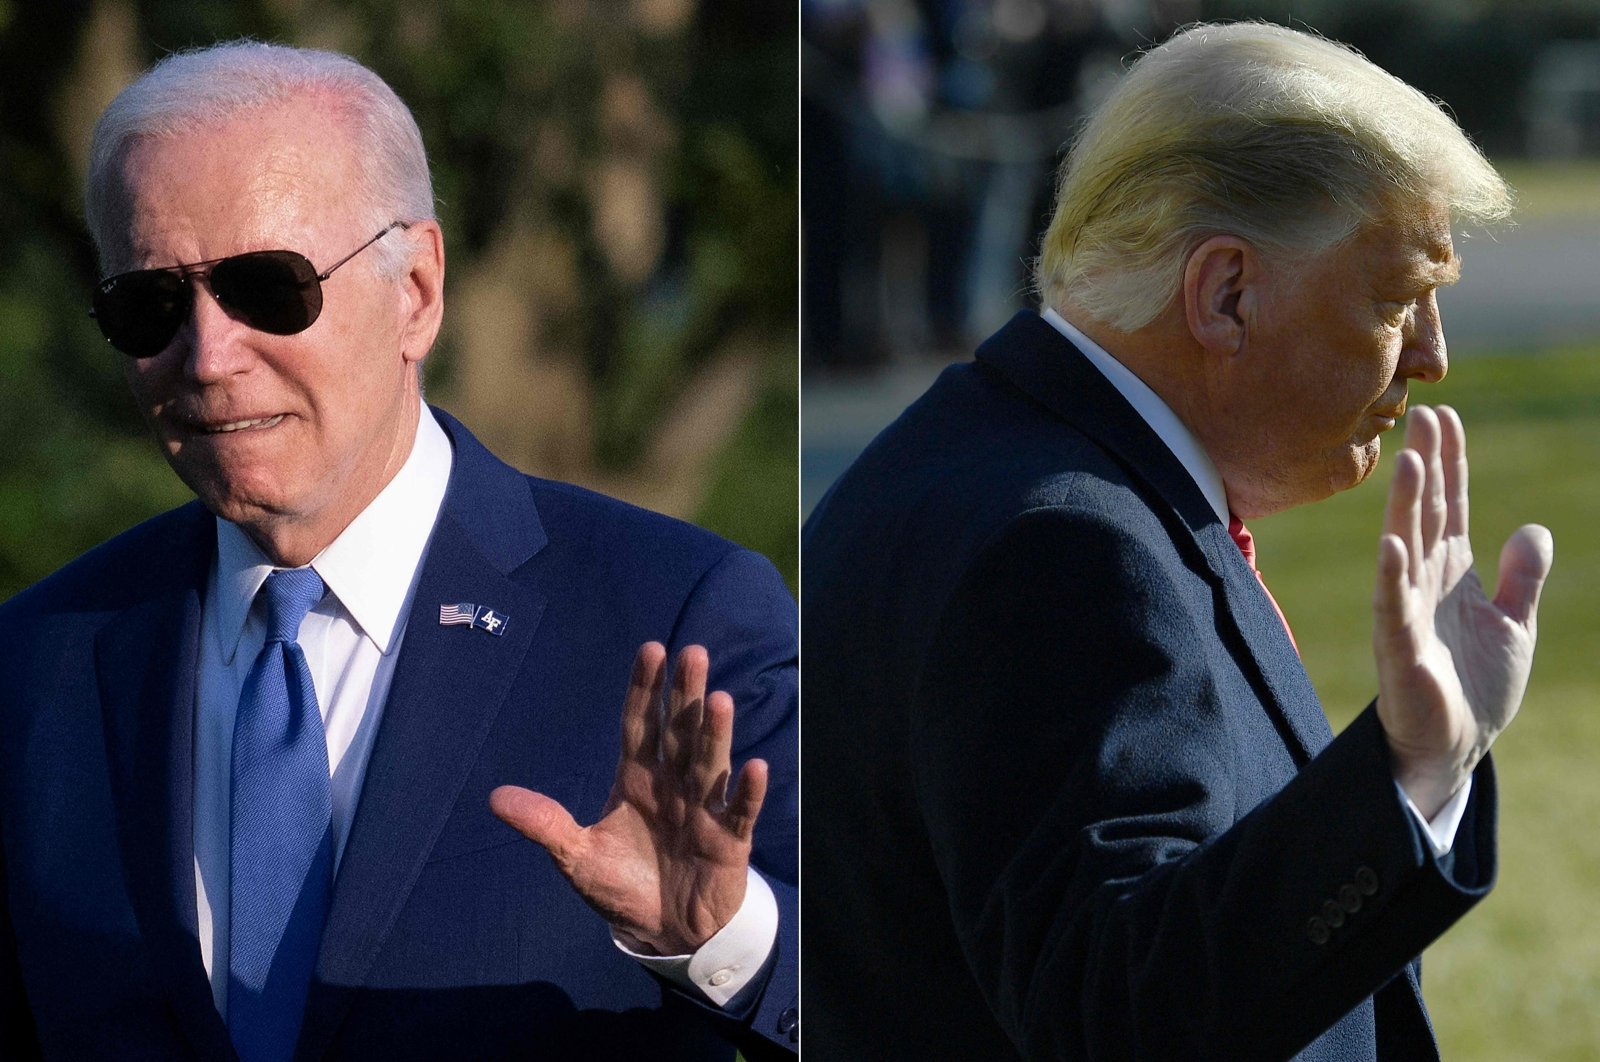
<point x="1276" y="660"/>
<point x="145" y="661"/>
<point x="448" y="688"/>
<point x="1040" y="361"/>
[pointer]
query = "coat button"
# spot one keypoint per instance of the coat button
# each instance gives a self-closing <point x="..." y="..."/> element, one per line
<point x="1367" y="881"/>
<point x="1317" y="930"/>
<point x="1333" y="914"/>
<point x="789" y="1022"/>
<point x="1350" y="898"/>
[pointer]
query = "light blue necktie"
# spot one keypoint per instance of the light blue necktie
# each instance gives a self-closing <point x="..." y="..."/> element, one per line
<point x="281" y="839"/>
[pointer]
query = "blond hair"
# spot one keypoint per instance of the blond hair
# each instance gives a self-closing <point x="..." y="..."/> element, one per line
<point x="1283" y="138"/>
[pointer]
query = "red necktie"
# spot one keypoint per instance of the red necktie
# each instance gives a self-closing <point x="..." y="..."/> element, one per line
<point x="1247" y="545"/>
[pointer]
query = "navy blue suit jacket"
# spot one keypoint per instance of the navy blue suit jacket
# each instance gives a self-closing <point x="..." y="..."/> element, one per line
<point x="449" y="936"/>
<point x="1069" y="792"/>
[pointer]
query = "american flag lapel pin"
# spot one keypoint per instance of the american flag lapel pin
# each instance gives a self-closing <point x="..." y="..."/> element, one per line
<point x="457" y="615"/>
<point x="482" y="617"/>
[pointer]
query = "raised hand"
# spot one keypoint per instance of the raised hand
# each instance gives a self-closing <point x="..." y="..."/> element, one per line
<point x="666" y="863"/>
<point x="1452" y="664"/>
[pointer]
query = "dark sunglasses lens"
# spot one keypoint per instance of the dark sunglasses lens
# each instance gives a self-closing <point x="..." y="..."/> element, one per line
<point x="273" y="291"/>
<point x="140" y="312"/>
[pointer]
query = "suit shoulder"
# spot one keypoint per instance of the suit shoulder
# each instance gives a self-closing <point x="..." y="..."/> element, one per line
<point x="585" y="524"/>
<point x="574" y="531"/>
<point x="152" y="556"/>
<point x="964" y="462"/>
<point x="579" y="508"/>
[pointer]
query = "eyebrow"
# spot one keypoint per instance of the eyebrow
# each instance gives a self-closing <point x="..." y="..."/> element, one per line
<point x="1447" y="272"/>
<point x="1432" y="272"/>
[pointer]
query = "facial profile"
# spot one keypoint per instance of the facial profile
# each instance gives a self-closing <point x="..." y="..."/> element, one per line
<point x="1326" y="353"/>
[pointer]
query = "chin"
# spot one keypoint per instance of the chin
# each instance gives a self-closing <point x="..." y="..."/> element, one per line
<point x="234" y="498"/>
<point x="1363" y="461"/>
<point x="250" y="514"/>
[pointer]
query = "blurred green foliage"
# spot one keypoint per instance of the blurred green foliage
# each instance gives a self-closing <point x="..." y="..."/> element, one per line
<point x="755" y="480"/>
<point x="528" y="111"/>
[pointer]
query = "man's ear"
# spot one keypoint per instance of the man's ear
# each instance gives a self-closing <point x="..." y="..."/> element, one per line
<point x="1218" y="296"/>
<point x="422" y="289"/>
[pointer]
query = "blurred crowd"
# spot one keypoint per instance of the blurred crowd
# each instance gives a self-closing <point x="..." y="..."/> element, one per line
<point x="930" y="130"/>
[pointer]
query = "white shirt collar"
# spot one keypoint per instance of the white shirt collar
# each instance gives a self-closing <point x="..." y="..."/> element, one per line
<point x="1156" y="413"/>
<point x="370" y="566"/>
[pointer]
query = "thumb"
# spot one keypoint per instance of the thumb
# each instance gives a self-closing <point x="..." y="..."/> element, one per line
<point x="539" y="819"/>
<point x="1524" y="562"/>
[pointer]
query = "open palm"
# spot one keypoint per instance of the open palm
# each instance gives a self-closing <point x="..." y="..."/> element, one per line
<point x="1452" y="663"/>
<point x="666" y="863"/>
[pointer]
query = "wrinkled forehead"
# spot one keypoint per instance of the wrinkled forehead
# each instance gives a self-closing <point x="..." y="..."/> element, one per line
<point x="262" y="175"/>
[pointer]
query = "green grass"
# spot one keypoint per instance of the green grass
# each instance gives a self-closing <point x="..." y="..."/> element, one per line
<point x="1519" y="977"/>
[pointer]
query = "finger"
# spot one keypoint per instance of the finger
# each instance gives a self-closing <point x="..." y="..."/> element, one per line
<point x="711" y="765"/>
<point x="1453" y="455"/>
<point x="744" y="803"/>
<point x="1422" y="428"/>
<point x="641" y="714"/>
<point x="1389" y="593"/>
<point x="539" y="819"/>
<point x="1402" y="515"/>
<point x="1423" y="436"/>
<point x="1524" y="563"/>
<point x="684" y="705"/>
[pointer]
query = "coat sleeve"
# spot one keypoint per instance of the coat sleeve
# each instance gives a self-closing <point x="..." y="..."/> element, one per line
<point x="742" y="613"/>
<point x="1112" y="893"/>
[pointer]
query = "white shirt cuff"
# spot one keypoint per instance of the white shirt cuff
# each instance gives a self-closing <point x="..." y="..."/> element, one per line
<point x="725" y="964"/>
<point x="1441" y="829"/>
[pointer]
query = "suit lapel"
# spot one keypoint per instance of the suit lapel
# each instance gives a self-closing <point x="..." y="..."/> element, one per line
<point x="1037" y="359"/>
<point x="1300" y="717"/>
<point x="145" y="661"/>
<point x="448" y="688"/>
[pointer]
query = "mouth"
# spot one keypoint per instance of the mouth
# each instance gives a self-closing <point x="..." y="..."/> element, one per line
<point x="1388" y="417"/>
<point x="227" y="427"/>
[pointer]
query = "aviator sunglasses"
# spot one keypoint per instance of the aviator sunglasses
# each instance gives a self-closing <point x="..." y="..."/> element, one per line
<point x="279" y="292"/>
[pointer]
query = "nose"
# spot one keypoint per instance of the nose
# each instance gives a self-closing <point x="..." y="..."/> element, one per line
<point x="1424" y="357"/>
<point x="211" y="340"/>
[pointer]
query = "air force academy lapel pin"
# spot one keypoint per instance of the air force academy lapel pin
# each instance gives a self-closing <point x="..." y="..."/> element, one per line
<point x="482" y="617"/>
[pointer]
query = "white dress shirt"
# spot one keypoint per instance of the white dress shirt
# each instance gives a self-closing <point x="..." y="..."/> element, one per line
<point x="351" y="641"/>
<point x="1441" y="829"/>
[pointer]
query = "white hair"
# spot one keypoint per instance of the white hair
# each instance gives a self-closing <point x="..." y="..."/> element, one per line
<point x="1286" y="139"/>
<point x="200" y="88"/>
